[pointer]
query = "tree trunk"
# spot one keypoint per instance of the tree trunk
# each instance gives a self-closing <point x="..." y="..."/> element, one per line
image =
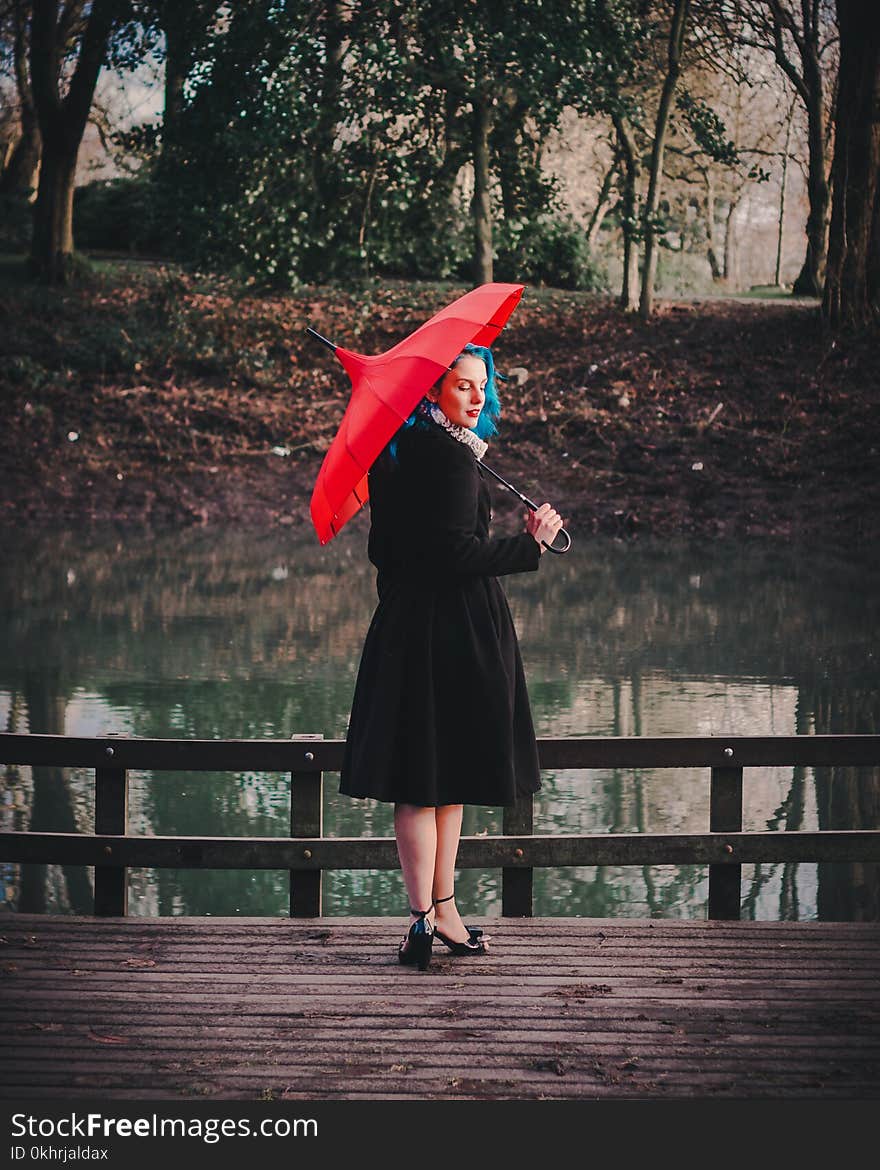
<point x="603" y="205"/>
<point x="184" y="26"/>
<point x="177" y="65"/>
<point x="629" y="174"/>
<point x="811" y="278"/>
<point x="519" y="175"/>
<point x="649" y="268"/>
<point x="323" y="168"/>
<point x="481" y="207"/>
<point x="850" y="292"/>
<point x="731" y="275"/>
<point x="788" y="125"/>
<point x="873" y="267"/>
<point x="62" y="123"/>
<point x="20" y="173"/>
<point x="52" y="241"/>
<point x="715" y="267"/>
<point x="805" y="29"/>
<point x="328" y="115"/>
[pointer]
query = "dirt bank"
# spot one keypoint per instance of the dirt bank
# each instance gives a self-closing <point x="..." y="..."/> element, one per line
<point x="153" y="397"/>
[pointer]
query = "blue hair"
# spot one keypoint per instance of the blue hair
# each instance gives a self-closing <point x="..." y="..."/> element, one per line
<point x="486" y="424"/>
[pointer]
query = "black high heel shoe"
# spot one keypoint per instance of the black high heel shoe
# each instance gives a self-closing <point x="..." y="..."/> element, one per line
<point x="415" y="948"/>
<point x="474" y="945"/>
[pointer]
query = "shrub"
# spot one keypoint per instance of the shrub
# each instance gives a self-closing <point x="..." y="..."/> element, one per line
<point x="15" y="222"/>
<point x="119" y="215"/>
<point x="549" y="250"/>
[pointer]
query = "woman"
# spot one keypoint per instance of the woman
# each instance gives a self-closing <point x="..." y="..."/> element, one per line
<point x="440" y="716"/>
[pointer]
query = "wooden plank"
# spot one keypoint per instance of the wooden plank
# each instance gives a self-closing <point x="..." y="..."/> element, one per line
<point x="393" y="1092"/>
<point x="177" y="755"/>
<point x="341" y="954"/>
<point x="504" y="959"/>
<point x="671" y="751"/>
<point x="668" y="751"/>
<point x="279" y="925"/>
<point x="306" y="854"/>
<point x="339" y="967"/>
<point x="610" y="1031"/>
<point x="100" y="1048"/>
<point x="352" y="990"/>
<point x="391" y="1073"/>
<point x="765" y="1031"/>
<point x="364" y="1065"/>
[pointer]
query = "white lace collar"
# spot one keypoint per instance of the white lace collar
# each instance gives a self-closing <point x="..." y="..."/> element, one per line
<point x="463" y="435"/>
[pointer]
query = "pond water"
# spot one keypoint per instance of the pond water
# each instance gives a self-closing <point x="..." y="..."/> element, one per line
<point x="241" y="634"/>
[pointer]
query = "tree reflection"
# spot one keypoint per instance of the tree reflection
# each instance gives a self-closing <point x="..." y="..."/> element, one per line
<point x="52" y="803"/>
<point x="256" y="635"/>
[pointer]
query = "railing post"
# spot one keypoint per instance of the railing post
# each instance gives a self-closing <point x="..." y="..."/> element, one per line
<point x="111" y="819"/>
<point x="725" y="816"/>
<point x="517" y="881"/>
<point x="306" y="820"/>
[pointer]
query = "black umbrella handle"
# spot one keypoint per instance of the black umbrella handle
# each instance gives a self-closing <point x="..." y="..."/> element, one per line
<point x="559" y="551"/>
<point x="534" y="507"/>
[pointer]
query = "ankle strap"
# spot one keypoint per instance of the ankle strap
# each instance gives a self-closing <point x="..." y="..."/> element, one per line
<point x="421" y="913"/>
<point x="437" y="901"/>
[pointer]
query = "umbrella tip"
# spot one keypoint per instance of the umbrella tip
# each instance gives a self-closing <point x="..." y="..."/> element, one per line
<point x="314" y="333"/>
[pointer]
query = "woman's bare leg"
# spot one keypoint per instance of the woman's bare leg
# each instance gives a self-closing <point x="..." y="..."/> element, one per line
<point x="416" y="831"/>
<point x="448" y="919"/>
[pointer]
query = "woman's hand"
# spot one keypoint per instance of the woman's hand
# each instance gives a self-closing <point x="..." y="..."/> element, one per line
<point x="543" y="525"/>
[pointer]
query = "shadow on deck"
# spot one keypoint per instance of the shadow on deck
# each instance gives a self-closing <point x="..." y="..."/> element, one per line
<point x="320" y="1009"/>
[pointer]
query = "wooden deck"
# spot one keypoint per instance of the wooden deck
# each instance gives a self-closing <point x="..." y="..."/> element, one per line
<point x="320" y="1009"/>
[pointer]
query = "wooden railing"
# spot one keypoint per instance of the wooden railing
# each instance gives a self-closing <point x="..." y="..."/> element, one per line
<point x="306" y="853"/>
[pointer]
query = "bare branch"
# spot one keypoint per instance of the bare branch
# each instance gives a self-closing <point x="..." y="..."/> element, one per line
<point x="783" y="19"/>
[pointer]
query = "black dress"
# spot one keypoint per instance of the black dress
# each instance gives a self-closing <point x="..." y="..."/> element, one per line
<point x="440" y="713"/>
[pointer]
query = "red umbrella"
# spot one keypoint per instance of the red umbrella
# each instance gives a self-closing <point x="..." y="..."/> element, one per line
<point x="387" y="388"/>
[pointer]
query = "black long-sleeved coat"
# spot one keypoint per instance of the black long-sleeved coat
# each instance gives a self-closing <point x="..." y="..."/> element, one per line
<point x="440" y="712"/>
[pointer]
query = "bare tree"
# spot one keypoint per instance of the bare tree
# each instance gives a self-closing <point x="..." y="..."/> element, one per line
<point x="605" y="201"/>
<point x="62" y="118"/>
<point x="677" y="30"/>
<point x="630" y="176"/>
<point x="802" y="37"/>
<point x="723" y="149"/>
<point x="789" y="120"/>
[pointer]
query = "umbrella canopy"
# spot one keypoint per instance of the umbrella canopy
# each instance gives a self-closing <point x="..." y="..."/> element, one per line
<point x="387" y="387"/>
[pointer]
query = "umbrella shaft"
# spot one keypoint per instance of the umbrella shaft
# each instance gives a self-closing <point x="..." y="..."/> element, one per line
<point x="525" y="499"/>
<point x="534" y="507"/>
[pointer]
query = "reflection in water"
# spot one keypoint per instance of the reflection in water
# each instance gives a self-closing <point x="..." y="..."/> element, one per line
<point x="249" y="635"/>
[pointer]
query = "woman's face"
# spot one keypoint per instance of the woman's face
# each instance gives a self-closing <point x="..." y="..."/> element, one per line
<point x="463" y="391"/>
